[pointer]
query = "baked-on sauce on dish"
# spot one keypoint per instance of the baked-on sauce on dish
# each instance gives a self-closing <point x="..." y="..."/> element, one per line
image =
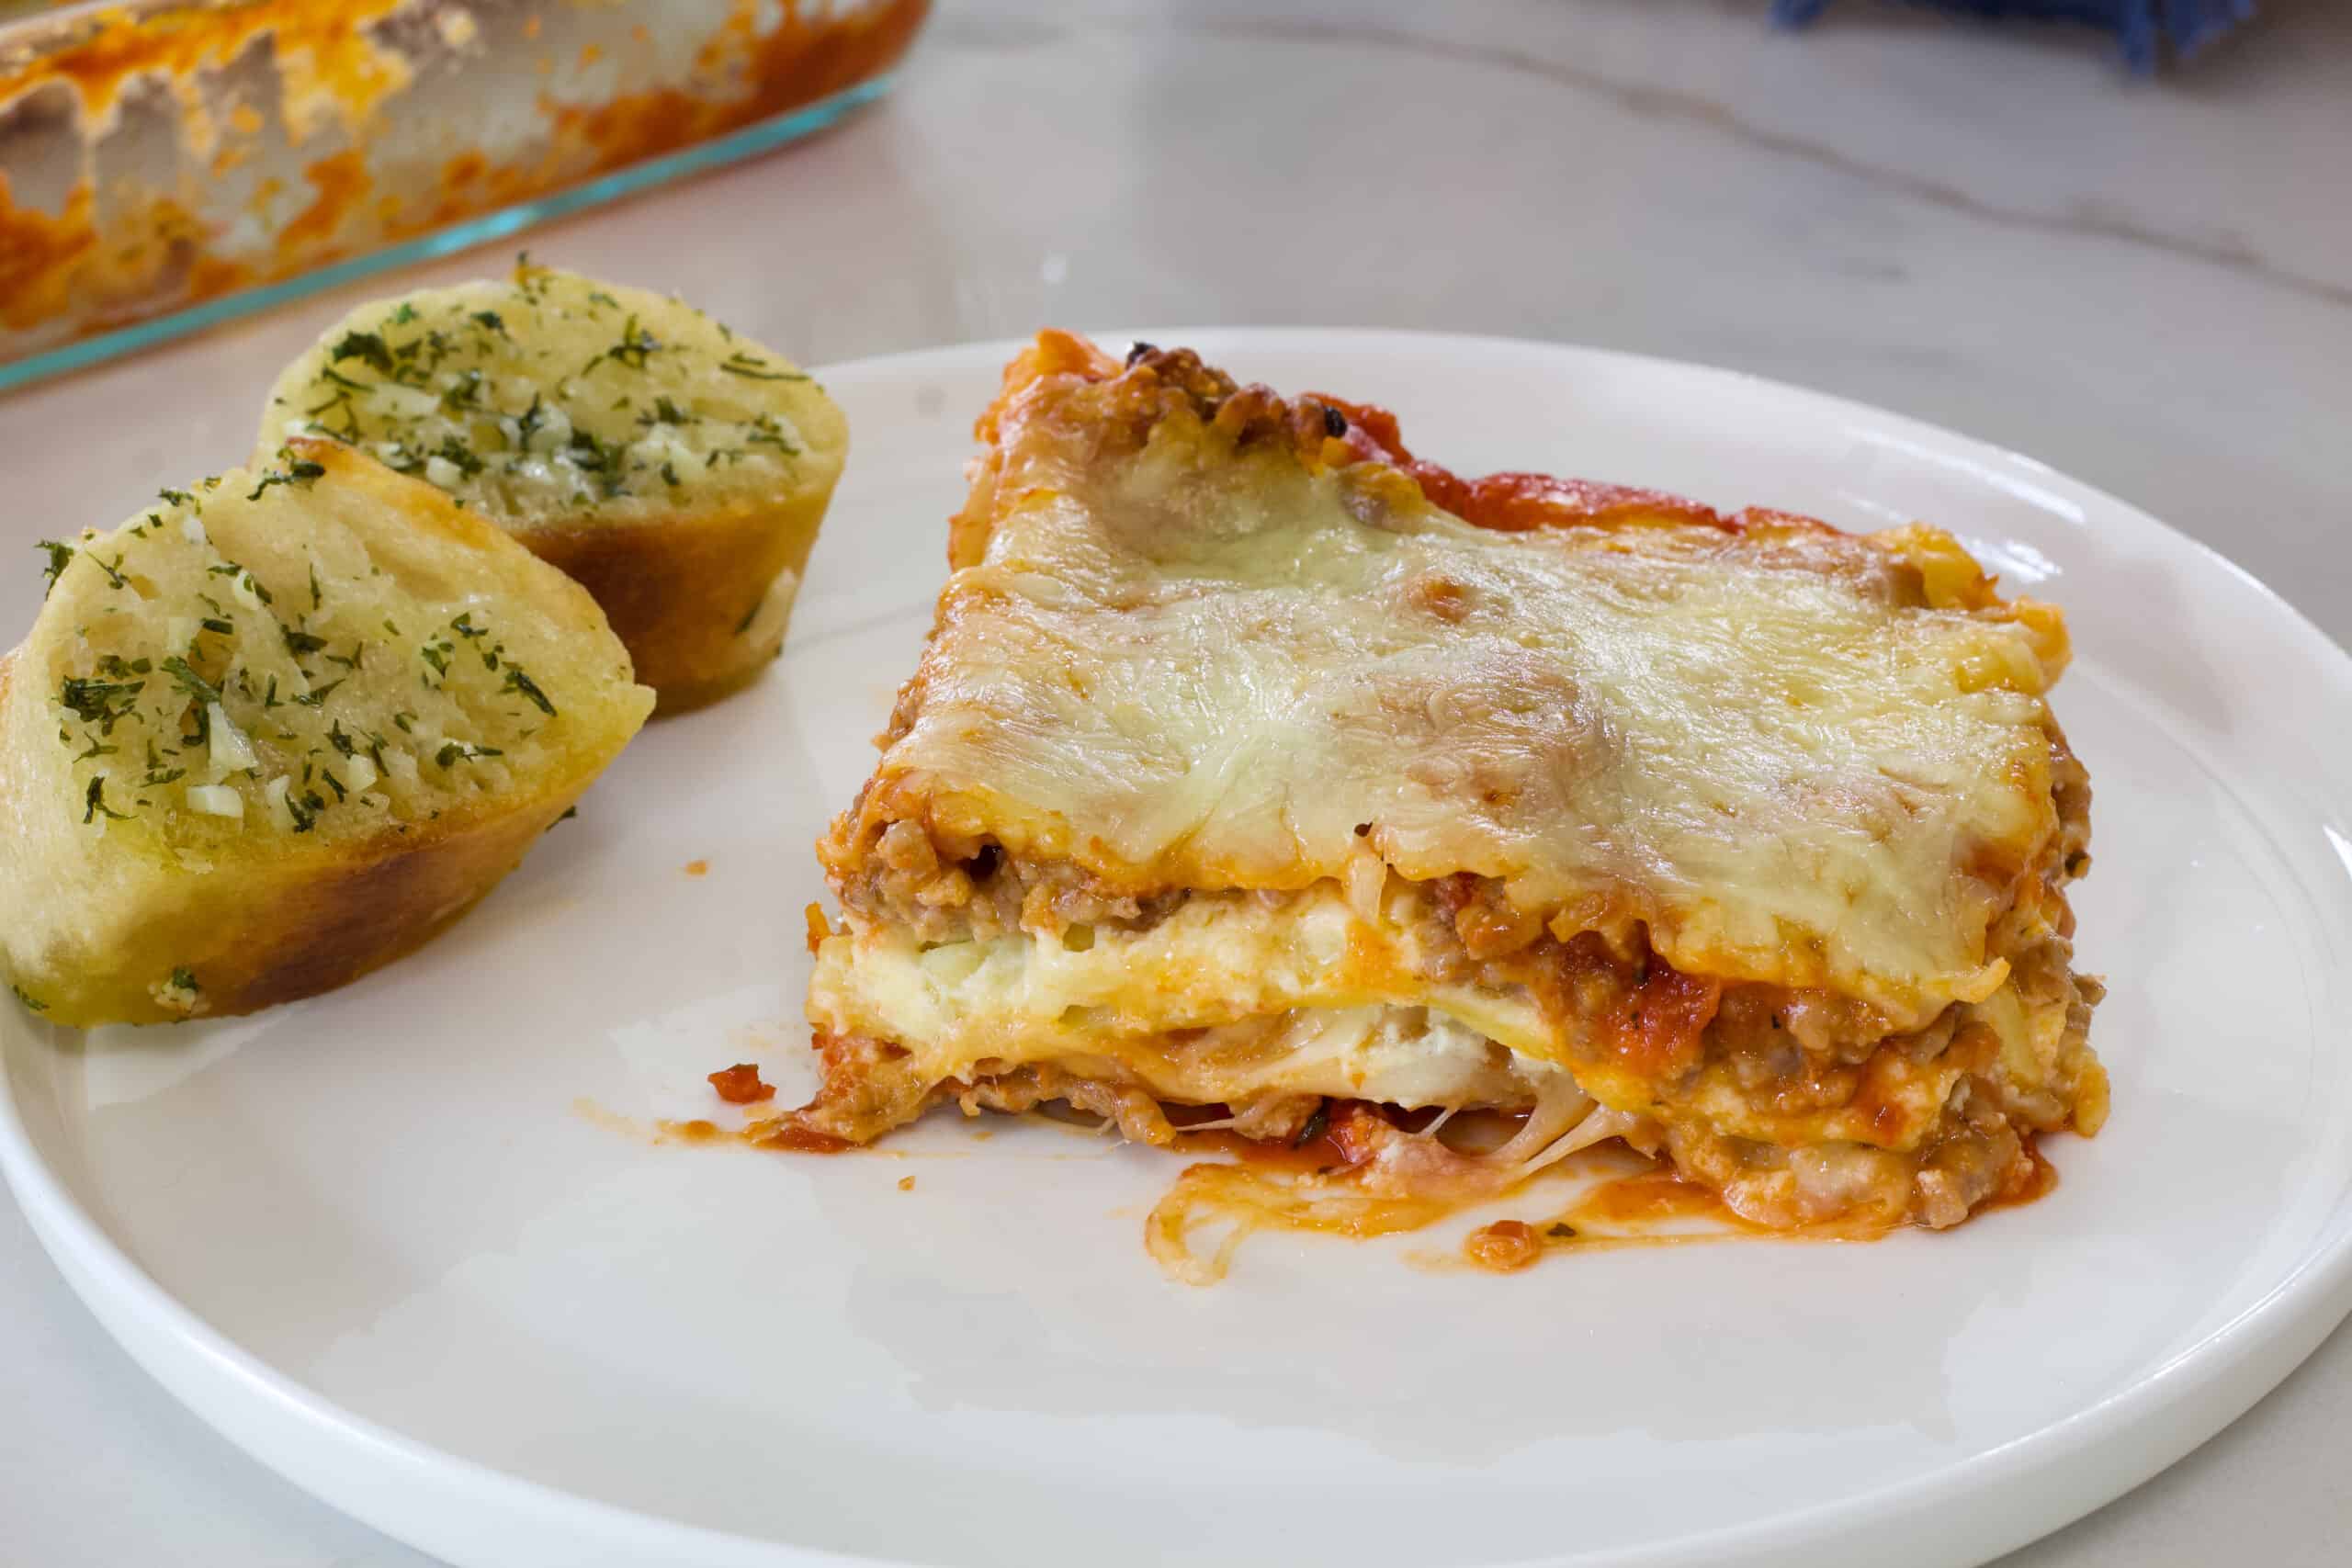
<point x="348" y="80"/>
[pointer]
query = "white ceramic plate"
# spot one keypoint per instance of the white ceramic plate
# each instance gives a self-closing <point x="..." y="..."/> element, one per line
<point x="411" y="1246"/>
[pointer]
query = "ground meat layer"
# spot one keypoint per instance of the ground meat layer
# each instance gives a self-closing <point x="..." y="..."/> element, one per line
<point x="1932" y="1122"/>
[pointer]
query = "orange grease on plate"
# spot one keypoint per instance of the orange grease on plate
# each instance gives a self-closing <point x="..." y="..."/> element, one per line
<point x="1657" y="1208"/>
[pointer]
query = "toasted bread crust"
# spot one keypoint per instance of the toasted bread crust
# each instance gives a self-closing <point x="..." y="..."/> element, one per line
<point x="139" y="922"/>
<point x="699" y="598"/>
<point x="677" y="469"/>
<point x="261" y="935"/>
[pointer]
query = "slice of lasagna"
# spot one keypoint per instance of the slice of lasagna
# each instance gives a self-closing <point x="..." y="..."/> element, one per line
<point x="1254" y="764"/>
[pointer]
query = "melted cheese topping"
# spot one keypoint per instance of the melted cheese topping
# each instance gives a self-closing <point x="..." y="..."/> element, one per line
<point x="1195" y="663"/>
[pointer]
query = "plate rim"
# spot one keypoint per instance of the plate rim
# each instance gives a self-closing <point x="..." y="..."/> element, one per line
<point x="2049" y="1477"/>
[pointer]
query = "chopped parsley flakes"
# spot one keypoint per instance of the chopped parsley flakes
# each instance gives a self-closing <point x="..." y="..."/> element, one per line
<point x="636" y="345"/>
<point x="193" y="685"/>
<point x="304" y="809"/>
<point x="101" y="703"/>
<point x="754" y="368"/>
<point x="240" y="578"/>
<point x="369" y="348"/>
<point x="459" y="456"/>
<point x="568" y="447"/>
<point x="59" y="554"/>
<point x="93" y="802"/>
<point x="518" y="681"/>
<point x="301" y="471"/>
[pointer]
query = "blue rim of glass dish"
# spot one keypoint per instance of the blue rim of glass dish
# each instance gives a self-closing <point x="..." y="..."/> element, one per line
<point x="506" y="220"/>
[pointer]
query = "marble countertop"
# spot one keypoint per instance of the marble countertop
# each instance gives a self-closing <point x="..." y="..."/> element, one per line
<point x="2147" y="285"/>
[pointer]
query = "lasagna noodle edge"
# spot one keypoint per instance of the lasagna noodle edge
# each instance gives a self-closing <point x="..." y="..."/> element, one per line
<point x="1234" y="997"/>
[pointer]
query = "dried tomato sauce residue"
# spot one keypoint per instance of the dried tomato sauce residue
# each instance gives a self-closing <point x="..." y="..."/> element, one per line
<point x="342" y="183"/>
<point x="742" y="1085"/>
<point x="801" y="61"/>
<point x="325" y="44"/>
<point x="80" y="271"/>
<point x="777" y="1133"/>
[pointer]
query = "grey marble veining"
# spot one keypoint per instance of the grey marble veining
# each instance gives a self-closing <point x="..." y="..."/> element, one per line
<point x="2146" y="284"/>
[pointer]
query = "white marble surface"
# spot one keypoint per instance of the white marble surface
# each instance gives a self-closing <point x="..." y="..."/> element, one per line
<point x="2147" y="285"/>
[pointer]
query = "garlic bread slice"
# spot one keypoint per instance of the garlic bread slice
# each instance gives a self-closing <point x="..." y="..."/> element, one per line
<point x="280" y="729"/>
<point x="677" y="469"/>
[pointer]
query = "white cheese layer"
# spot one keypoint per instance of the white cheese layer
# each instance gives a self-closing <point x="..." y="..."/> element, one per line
<point x="1012" y="1001"/>
<point x="1213" y="962"/>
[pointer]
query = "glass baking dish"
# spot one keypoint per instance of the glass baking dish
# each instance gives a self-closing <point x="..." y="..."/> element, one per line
<point x="166" y="164"/>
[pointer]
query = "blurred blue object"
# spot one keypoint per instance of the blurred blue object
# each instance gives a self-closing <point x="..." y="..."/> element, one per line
<point x="2145" y="27"/>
